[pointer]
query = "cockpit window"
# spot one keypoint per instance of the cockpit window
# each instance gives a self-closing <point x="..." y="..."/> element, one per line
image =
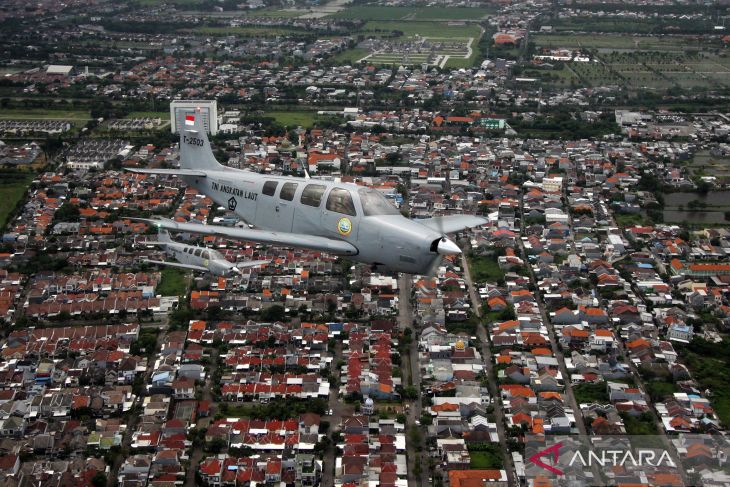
<point x="312" y="194"/>
<point x="206" y="255"/>
<point x="340" y="200"/>
<point x="374" y="203"/>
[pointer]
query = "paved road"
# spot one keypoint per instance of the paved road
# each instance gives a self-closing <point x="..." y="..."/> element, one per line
<point x="491" y="375"/>
<point x="412" y="376"/>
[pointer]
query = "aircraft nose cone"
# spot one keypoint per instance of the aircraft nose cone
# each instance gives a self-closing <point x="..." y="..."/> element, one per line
<point x="447" y="247"/>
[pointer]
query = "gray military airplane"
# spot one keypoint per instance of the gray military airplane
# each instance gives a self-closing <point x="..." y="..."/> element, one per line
<point x="334" y="217"/>
<point x="198" y="258"/>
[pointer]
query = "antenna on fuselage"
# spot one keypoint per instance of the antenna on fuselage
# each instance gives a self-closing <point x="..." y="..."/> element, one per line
<point x="306" y="171"/>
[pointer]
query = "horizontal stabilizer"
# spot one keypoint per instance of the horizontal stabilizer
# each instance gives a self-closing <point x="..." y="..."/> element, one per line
<point x="284" y="239"/>
<point x="169" y="172"/>
<point x="252" y="263"/>
<point x="452" y="223"/>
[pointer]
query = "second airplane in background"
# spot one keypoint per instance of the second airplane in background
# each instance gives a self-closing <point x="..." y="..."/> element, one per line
<point x="198" y="258"/>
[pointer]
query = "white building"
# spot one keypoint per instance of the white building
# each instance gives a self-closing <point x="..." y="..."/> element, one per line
<point x="552" y="185"/>
<point x="207" y="108"/>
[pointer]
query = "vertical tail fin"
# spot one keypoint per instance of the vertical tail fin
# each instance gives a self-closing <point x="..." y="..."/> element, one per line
<point x="195" y="150"/>
<point x="163" y="235"/>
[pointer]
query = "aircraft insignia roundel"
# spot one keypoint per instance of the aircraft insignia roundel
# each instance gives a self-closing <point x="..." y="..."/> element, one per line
<point x="344" y="226"/>
<point x="232" y="203"/>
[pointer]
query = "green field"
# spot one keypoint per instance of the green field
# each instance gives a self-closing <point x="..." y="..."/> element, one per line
<point x="484" y="268"/>
<point x="13" y="185"/>
<point x="303" y="118"/>
<point x="162" y="115"/>
<point x="350" y="56"/>
<point x="709" y="364"/>
<point x="486" y="459"/>
<point x="250" y="31"/>
<point x="424" y="29"/>
<point x="173" y="283"/>
<point x="43" y="114"/>
<point x="412" y="13"/>
<point x="612" y="42"/>
<point x="591" y="393"/>
<point x="277" y="13"/>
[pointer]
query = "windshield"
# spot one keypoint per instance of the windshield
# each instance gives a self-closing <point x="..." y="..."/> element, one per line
<point x="374" y="203"/>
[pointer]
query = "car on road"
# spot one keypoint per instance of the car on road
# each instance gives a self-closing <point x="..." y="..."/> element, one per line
<point x="329" y="412"/>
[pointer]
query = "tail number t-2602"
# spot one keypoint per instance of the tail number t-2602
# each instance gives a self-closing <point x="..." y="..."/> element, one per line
<point x="193" y="141"/>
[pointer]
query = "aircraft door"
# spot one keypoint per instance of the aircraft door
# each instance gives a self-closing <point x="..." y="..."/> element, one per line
<point x="339" y="217"/>
<point x="283" y="217"/>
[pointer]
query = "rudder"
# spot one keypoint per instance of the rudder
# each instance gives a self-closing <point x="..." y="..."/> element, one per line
<point x="195" y="149"/>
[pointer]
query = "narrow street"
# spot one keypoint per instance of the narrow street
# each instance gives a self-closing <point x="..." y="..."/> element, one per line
<point x="491" y="375"/>
<point x="134" y="418"/>
<point x="203" y="423"/>
<point x="339" y="409"/>
<point x="412" y="376"/>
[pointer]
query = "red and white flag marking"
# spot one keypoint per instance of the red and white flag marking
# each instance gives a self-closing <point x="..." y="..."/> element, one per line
<point x="189" y="119"/>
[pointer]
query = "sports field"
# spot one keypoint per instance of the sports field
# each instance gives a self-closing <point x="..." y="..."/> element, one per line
<point x="302" y="118"/>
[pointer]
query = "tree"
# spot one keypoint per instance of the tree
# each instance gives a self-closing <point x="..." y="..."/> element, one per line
<point x="99" y="480"/>
<point x="273" y="313"/>
<point x="67" y="212"/>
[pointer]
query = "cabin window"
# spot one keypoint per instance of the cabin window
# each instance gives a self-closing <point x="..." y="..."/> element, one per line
<point x="197" y="252"/>
<point x="287" y="191"/>
<point x="340" y="200"/>
<point x="270" y="188"/>
<point x="312" y="194"/>
<point x="374" y="203"/>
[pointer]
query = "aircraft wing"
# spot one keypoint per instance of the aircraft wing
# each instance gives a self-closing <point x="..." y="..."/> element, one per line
<point x="169" y="172"/>
<point x="452" y="223"/>
<point x="177" y="264"/>
<point x="252" y="263"/>
<point x="311" y="242"/>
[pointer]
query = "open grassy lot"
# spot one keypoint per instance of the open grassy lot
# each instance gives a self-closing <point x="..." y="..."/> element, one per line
<point x="709" y="364"/>
<point x="13" y="185"/>
<point x="162" y="115"/>
<point x="488" y="456"/>
<point x="350" y="56"/>
<point x="43" y="114"/>
<point x="302" y="117"/>
<point x="173" y="283"/>
<point x="368" y="12"/>
<point x="591" y="393"/>
<point x="279" y="13"/>
<point x="484" y="268"/>
<point x="251" y="31"/>
<point x="423" y="29"/>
